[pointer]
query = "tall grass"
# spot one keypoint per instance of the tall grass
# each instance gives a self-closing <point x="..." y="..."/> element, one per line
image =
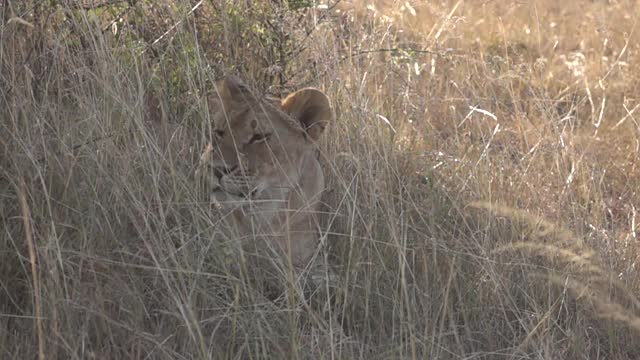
<point x="482" y="181"/>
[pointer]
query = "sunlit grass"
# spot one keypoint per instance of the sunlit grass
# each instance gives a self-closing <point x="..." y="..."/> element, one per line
<point x="482" y="195"/>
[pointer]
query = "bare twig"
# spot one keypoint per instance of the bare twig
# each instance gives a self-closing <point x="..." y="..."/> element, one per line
<point x="120" y="16"/>
<point x="300" y="47"/>
<point x="31" y="247"/>
<point x="90" y="141"/>
<point x="94" y="6"/>
<point x="391" y="50"/>
<point x="194" y="8"/>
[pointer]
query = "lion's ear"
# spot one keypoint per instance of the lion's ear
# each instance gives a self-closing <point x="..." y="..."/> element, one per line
<point x="312" y="108"/>
<point x="231" y="88"/>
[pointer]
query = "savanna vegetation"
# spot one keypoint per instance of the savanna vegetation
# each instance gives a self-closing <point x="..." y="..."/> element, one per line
<point x="483" y="180"/>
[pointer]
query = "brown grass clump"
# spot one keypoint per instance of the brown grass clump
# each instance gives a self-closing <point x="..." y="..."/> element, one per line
<point x="482" y="181"/>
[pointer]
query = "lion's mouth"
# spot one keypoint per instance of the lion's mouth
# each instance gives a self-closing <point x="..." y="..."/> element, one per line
<point x="247" y="195"/>
<point x="232" y="187"/>
<point x="239" y="186"/>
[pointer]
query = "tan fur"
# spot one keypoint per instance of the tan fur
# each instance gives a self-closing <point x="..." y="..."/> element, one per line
<point x="273" y="184"/>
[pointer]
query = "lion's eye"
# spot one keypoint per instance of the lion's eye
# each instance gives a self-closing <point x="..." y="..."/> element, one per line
<point x="258" y="138"/>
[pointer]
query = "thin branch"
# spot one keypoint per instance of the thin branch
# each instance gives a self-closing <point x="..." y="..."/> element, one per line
<point x="300" y="48"/>
<point x="174" y="25"/>
<point x="120" y="16"/>
<point x="92" y="6"/>
<point x="90" y="141"/>
<point x="31" y="248"/>
<point x="392" y="50"/>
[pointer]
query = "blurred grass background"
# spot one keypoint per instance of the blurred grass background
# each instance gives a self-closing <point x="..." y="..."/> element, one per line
<point x="483" y="179"/>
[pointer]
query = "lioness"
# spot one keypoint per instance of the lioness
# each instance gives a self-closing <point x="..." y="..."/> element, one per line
<point x="262" y="160"/>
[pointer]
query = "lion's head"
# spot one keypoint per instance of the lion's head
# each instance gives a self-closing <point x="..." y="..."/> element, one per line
<point x="262" y="156"/>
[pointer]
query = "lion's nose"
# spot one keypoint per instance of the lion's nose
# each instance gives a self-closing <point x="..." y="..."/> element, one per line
<point x="222" y="170"/>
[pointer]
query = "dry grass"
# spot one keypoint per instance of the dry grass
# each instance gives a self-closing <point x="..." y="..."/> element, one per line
<point x="483" y="181"/>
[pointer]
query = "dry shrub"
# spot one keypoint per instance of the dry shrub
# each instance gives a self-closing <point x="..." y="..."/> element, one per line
<point x="482" y="191"/>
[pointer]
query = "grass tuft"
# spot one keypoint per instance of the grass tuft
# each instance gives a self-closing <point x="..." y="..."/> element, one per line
<point x="482" y="181"/>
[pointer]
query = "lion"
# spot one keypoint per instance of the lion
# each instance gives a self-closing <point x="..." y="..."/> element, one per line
<point x="262" y="162"/>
